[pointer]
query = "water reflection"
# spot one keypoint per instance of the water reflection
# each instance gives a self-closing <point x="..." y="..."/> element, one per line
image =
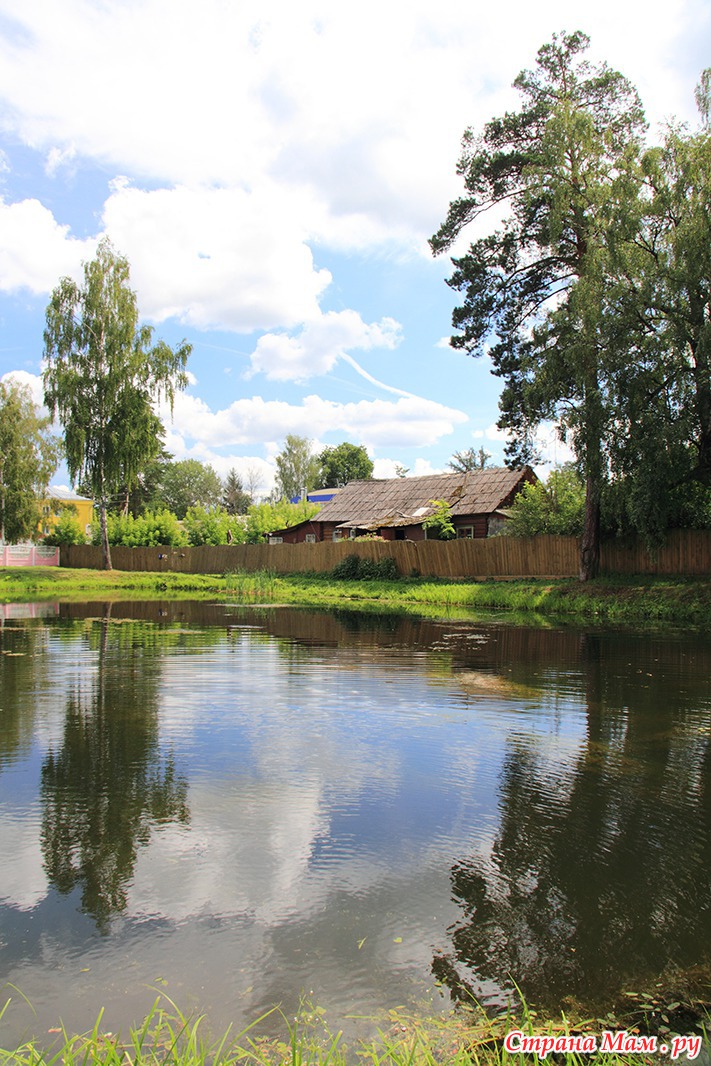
<point x="105" y="784"/>
<point x="250" y="804"/>
<point x="600" y="871"/>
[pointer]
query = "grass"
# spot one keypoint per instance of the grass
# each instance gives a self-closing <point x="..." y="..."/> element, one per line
<point x="612" y="600"/>
<point x="464" y="1038"/>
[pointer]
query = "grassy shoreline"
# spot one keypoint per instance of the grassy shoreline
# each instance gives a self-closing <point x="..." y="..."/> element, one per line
<point x="636" y="600"/>
<point x="464" y="1037"/>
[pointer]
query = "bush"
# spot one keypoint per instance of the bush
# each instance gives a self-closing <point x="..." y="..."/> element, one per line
<point x="68" y="530"/>
<point x="557" y="507"/>
<point x="264" y="518"/>
<point x="214" y="526"/>
<point x="355" y="568"/>
<point x="439" y="525"/>
<point x="146" y="531"/>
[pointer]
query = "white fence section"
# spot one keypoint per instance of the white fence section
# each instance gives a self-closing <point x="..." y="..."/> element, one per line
<point x="9" y="611"/>
<point x="28" y="555"/>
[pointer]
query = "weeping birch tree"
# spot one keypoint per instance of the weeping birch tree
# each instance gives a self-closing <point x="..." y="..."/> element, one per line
<point x="103" y="374"/>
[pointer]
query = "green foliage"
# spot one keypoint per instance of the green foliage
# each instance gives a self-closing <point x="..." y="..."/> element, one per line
<point x="28" y="457"/>
<point x="356" y="568"/>
<point x="439" y="525"/>
<point x="235" y="499"/>
<point x="264" y="518"/>
<point x="144" y="494"/>
<point x="103" y="374"/>
<point x="662" y="438"/>
<point x="626" y="509"/>
<point x="215" y="526"/>
<point x="67" y="530"/>
<point x="558" y="506"/>
<point x="189" y="483"/>
<point x="566" y="165"/>
<point x="150" y="530"/>
<point x="297" y="468"/>
<point x="343" y="463"/>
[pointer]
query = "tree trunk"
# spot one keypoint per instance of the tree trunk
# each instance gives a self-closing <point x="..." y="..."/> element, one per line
<point x="105" y="549"/>
<point x="590" y="543"/>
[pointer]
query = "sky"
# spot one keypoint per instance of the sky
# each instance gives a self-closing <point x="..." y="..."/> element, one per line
<point x="272" y="170"/>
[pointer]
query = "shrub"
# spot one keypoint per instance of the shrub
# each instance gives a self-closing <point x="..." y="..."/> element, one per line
<point x="439" y="525"/>
<point x="264" y="518"/>
<point x="557" y="507"/>
<point x="146" y="531"/>
<point x="68" y="530"/>
<point x="355" y="568"/>
<point x="213" y="526"/>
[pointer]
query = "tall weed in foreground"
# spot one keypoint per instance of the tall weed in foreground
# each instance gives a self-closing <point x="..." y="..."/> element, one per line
<point x="256" y="586"/>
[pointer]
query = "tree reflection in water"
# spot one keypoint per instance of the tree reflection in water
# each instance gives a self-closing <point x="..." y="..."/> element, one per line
<point x="600" y="872"/>
<point x="107" y="785"/>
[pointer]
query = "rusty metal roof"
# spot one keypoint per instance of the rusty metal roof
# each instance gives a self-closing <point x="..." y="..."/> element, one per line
<point x="407" y="500"/>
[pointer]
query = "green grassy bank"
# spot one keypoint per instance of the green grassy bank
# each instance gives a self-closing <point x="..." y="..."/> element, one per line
<point x="615" y="600"/>
<point x="462" y="1038"/>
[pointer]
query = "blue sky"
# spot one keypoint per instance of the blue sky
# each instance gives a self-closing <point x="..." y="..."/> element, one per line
<point x="272" y="171"/>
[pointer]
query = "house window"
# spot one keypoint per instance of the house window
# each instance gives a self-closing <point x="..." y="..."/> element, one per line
<point x="337" y="535"/>
<point x="45" y="509"/>
<point x="310" y="538"/>
<point x="465" y="533"/>
<point x="276" y="540"/>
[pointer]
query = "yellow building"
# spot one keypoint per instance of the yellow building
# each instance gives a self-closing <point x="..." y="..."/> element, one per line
<point x="59" y="499"/>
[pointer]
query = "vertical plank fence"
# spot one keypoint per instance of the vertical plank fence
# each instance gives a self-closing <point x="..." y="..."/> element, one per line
<point x="686" y="552"/>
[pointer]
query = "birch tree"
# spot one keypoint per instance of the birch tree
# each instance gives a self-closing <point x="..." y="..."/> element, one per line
<point x="103" y="374"/>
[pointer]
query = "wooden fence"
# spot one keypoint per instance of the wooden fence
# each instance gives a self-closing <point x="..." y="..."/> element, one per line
<point x="686" y="552"/>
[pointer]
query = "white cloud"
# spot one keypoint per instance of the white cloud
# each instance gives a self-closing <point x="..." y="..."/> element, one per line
<point x="32" y="381"/>
<point x="35" y="251"/>
<point x="408" y="421"/>
<point x="363" y="106"/>
<point x="59" y="158"/>
<point x="221" y="258"/>
<point x="385" y="468"/>
<point x="319" y="345"/>
<point x="24" y="879"/>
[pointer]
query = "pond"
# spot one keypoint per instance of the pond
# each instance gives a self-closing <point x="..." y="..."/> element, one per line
<point x="237" y="807"/>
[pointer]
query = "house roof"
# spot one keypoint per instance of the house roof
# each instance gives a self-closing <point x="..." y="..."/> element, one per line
<point x="60" y="492"/>
<point x="407" y="501"/>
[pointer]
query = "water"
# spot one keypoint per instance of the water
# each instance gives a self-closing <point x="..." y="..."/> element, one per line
<point x="238" y="807"/>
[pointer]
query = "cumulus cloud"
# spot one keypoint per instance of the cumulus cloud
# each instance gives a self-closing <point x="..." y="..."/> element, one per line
<point x="35" y="251"/>
<point x="31" y="381"/>
<point x="228" y="95"/>
<point x="225" y="258"/>
<point x="409" y="421"/>
<point x="319" y="345"/>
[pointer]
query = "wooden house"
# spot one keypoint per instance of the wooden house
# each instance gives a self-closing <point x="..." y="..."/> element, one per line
<point x="395" y="508"/>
